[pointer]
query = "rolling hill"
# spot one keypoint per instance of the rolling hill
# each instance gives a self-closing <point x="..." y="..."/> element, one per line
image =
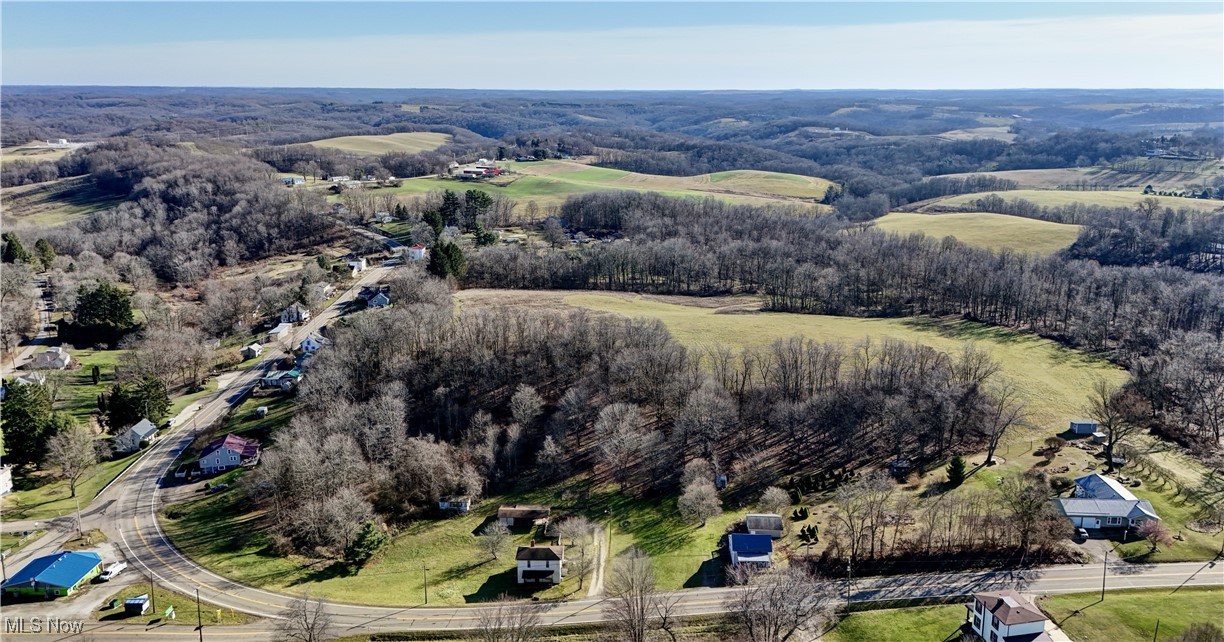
<point x="410" y="142"/>
<point x="983" y="229"/>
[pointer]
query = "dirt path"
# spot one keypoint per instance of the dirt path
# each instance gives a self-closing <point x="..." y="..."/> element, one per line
<point x="597" y="577"/>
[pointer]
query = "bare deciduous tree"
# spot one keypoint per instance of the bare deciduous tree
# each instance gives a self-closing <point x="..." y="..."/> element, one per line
<point x="494" y="537"/>
<point x="508" y="621"/>
<point x="305" y="620"/>
<point x="699" y="501"/>
<point x="636" y="606"/>
<point x="1118" y="414"/>
<point x="71" y="453"/>
<point x="1004" y="412"/>
<point x="778" y="605"/>
<point x="774" y="500"/>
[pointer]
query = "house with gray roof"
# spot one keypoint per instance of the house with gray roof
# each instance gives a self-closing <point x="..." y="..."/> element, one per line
<point x="1099" y="502"/>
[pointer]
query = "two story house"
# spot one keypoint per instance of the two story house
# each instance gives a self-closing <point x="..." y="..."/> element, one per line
<point x="540" y="564"/>
<point x="230" y="451"/>
<point x="1005" y="616"/>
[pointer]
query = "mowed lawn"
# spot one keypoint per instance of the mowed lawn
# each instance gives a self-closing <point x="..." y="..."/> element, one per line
<point x="409" y="142"/>
<point x="918" y="624"/>
<point x="551" y="182"/>
<point x="1106" y="198"/>
<point x="986" y="230"/>
<point x="1130" y="616"/>
<point x="52" y="499"/>
<point x="184" y="609"/>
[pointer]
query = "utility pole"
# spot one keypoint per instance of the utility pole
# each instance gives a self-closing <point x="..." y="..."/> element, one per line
<point x="152" y="599"/>
<point x="1104" y="572"/>
<point x="199" y="617"/>
<point x="80" y="533"/>
<point x="849" y="570"/>
<point x="425" y="574"/>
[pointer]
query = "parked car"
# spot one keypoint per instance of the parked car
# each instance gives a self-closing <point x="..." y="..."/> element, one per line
<point x="1081" y="534"/>
<point x="111" y="571"/>
<point x="218" y="488"/>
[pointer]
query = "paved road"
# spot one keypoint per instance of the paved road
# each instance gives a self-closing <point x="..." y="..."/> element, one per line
<point x="42" y="338"/>
<point x="127" y="512"/>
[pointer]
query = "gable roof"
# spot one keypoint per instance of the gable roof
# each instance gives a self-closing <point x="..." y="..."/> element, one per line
<point x="1098" y="486"/>
<point x="245" y="447"/>
<point x="143" y="429"/>
<point x="763" y="522"/>
<point x="523" y="511"/>
<point x="63" y="569"/>
<point x="1009" y="607"/>
<point x="1087" y="506"/>
<point x="539" y="553"/>
<point x="750" y="544"/>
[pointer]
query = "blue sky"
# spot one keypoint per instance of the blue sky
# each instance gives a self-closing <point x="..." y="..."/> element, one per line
<point x="615" y="45"/>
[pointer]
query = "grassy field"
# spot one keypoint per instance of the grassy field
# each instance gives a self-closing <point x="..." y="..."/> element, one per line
<point x="52" y="203"/>
<point x="13" y="542"/>
<point x="52" y="499"/>
<point x="982" y="229"/>
<point x="1053" y="379"/>
<point x="923" y="623"/>
<point x="410" y="142"/>
<point x="79" y="395"/>
<point x="184" y="609"/>
<point x="1130" y="616"/>
<point x="550" y="182"/>
<point x="34" y="152"/>
<point x="1056" y="198"/>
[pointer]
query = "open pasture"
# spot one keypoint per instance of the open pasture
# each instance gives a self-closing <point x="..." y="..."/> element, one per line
<point x="986" y="230"/>
<point x="410" y="142"/>
<point x="1058" y="198"/>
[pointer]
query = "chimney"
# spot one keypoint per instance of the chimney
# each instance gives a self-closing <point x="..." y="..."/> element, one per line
<point x="532" y="542"/>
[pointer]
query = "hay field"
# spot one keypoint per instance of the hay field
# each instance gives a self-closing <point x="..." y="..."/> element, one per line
<point x="998" y="132"/>
<point x="1056" y="198"/>
<point x="983" y="229"/>
<point x="35" y="153"/>
<point x="52" y="203"/>
<point x="410" y="142"/>
<point x="550" y="182"/>
<point x="1054" y="380"/>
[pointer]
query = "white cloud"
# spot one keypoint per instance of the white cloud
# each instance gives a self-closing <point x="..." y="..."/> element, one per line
<point x="1109" y="51"/>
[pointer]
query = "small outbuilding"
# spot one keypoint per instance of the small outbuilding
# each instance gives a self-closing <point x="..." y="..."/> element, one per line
<point x="455" y="504"/>
<point x="764" y="524"/>
<point x="138" y="605"/>
<point x="1083" y="426"/>
<point x="523" y="515"/>
<point x="252" y="351"/>
<point x="281" y="331"/>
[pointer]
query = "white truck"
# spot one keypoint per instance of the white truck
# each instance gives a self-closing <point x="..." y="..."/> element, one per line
<point x="111" y="571"/>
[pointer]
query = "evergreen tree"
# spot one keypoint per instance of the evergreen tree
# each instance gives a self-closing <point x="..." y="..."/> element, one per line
<point x="14" y="251"/>
<point x="476" y="203"/>
<point x="26" y="423"/>
<point x="104" y="307"/>
<point x="46" y="253"/>
<point x="434" y="220"/>
<point x="956" y="471"/>
<point x="484" y="237"/>
<point x="456" y="262"/>
<point x="96" y="374"/>
<point x="365" y="545"/>
<point x="324" y="262"/>
<point x="449" y="210"/>
<point x="437" y="261"/>
<point x="128" y="403"/>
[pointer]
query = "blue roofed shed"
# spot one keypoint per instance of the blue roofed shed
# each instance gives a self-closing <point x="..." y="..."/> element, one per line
<point x="55" y="574"/>
<point x="750" y="549"/>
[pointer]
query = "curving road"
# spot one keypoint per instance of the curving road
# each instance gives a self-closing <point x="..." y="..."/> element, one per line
<point x="127" y="512"/>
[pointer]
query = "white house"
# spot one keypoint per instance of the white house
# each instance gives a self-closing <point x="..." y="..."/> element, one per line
<point x="286" y="380"/>
<point x="540" y="564"/>
<point x="764" y="524"/>
<point x="357" y="266"/>
<point x="417" y="253"/>
<point x="290" y="181"/>
<point x="30" y="379"/>
<point x="455" y="504"/>
<point x="6" y="480"/>
<point x="383" y="217"/>
<point x="313" y="342"/>
<point x="55" y="358"/>
<point x="128" y="441"/>
<point x="1083" y="426"/>
<point x="296" y="313"/>
<point x="1005" y="616"/>
<point x="746" y="548"/>
<point x="252" y="351"/>
<point x="1100" y="502"/>
<point x="282" y="331"/>
<point x="230" y="451"/>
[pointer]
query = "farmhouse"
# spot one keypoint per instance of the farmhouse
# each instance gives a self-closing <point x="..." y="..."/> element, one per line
<point x="1005" y="616"/>
<point x="312" y="343"/>
<point x="53" y="575"/>
<point x="55" y="358"/>
<point x="282" y="331"/>
<point x="540" y="564"/>
<point x="764" y="524"/>
<point x="230" y="451"/>
<point x="357" y="266"/>
<point x="252" y="351"/>
<point x="290" y="181"/>
<point x="746" y="548"/>
<point x="129" y="440"/>
<point x="416" y="253"/>
<point x="1083" y="426"/>
<point x="296" y="313"/>
<point x="286" y="380"/>
<point x="523" y="515"/>
<point x="455" y="504"/>
<point x="1100" y="502"/>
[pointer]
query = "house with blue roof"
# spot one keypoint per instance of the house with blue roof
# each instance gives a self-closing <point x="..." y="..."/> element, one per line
<point x="745" y="548"/>
<point x="54" y="575"/>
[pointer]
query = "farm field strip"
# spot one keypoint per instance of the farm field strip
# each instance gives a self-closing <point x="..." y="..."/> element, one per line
<point x="986" y="230"/>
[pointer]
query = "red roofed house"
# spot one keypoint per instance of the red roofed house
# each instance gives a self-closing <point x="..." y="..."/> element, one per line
<point x="416" y="253"/>
<point x="1005" y="616"/>
<point x="230" y="451"/>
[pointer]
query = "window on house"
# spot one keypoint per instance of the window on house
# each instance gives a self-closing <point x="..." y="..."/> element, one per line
<point x="233" y="458"/>
<point x="977" y="623"/>
<point x="1114" y="521"/>
<point x="977" y="606"/>
<point x="994" y="636"/>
